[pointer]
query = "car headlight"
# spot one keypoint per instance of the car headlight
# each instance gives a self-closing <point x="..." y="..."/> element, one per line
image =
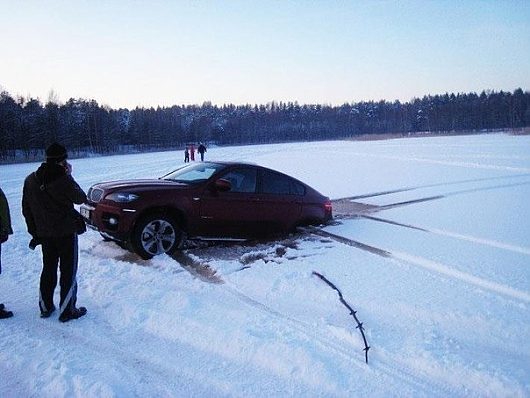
<point x="121" y="197"/>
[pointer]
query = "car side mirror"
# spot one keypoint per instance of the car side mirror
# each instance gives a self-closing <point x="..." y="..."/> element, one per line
<point x="222" y="185"/>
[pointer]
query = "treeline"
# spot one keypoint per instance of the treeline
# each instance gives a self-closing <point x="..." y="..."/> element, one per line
<point x="27" y="125"/>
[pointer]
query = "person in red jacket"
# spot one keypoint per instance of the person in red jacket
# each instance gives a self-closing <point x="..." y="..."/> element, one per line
<point x="192" y="152"/>
<point x="48" y="199"/>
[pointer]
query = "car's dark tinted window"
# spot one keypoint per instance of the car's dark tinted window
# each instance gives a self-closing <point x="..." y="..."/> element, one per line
<point x="297" y="188"/>
<point x="275" y="183"/>
<point x="242" y="180"/>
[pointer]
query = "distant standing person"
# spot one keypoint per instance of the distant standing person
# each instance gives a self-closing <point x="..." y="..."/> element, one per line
<point x="48" y="201"/>
<point x="192" y="152"/>
<point x="186" y="155"/>
<point x="5" y="231"/>
<point x="201" y="150"/>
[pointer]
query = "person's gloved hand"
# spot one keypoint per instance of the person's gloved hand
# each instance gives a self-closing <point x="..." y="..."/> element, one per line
<point x="34" y="242"/>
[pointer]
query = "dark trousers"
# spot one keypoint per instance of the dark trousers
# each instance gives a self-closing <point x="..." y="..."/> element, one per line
<point x="59" y="252"/>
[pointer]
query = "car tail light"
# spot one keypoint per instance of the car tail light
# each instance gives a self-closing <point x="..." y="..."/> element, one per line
<point x="328" y="206"/>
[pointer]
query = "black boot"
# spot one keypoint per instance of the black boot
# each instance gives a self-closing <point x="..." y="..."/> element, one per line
<point x="69" y="315"/>
<point x="46" y="314"/>
<point x="3" y="313"/>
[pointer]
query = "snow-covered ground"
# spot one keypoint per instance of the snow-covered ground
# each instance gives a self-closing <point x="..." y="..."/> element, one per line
<point x="439" y="273"/>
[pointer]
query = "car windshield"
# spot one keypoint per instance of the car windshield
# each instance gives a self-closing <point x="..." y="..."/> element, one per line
<point x="194" y="173"/>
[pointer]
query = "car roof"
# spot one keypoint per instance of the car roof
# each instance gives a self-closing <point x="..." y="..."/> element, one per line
<point x="243" y="163"/>
<point x="232" y="163"/>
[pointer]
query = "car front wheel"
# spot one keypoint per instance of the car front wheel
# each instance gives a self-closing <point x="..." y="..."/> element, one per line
<point x="156" y="234"/>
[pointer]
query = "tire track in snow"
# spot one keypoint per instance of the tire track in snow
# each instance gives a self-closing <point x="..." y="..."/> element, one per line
<point x="349" y="242"/>
<point x="197" y="268"/>
<point x="449" y="194"/>
<point x="433" y="266"/>
<point x="468" y="238"/>
<point x="359" y="208"/>
<point x="441" y="184"/>
<point x="396" y="369"/>
<point x="463" y="276"/>
<point x="111" y="348"/>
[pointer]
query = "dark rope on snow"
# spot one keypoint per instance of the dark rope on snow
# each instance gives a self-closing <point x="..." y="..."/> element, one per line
<point x="352" y="312"/>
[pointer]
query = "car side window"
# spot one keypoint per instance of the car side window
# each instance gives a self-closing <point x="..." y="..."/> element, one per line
<point x="274" y="183"/>
<point x="297" y="188"/>
<point x="242" y="180"/>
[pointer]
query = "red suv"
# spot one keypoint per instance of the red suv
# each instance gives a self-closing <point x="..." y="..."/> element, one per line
<point x="206" y="200"/>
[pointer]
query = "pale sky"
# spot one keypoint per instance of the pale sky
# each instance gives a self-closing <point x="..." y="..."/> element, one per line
<point x="150" y="53"/>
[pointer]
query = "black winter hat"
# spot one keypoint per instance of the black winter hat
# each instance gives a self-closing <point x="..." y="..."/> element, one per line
<point x="55" y="153"/>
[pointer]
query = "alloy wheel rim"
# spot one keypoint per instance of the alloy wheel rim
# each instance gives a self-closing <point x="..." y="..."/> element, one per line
<point x="158" y="237"/>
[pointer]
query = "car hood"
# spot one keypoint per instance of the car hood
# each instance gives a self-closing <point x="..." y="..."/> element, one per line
<point x="138" y="184"/>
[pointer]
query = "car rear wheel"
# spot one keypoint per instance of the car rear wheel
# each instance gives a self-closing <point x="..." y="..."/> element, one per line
<point x="156" y="234"/>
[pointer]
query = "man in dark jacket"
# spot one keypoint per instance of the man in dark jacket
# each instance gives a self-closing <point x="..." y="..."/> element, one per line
<point x="201" y="150"/>
<point x="48" y="201"/>
<point x="5" y="231"/>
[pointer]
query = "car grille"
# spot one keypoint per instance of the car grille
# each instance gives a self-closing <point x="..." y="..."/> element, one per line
<point x="95" y="194"/>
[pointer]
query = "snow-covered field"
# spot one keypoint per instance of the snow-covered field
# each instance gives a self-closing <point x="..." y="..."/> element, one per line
<point x="439" y="273"/>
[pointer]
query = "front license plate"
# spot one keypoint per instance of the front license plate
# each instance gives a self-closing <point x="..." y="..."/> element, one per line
<point x="85" y="212"/>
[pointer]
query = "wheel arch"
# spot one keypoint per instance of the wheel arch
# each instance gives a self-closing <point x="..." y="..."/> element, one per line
<point x="172" y="212"/>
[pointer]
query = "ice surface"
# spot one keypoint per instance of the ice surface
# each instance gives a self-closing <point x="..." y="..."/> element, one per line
<point x="447" y="313"/>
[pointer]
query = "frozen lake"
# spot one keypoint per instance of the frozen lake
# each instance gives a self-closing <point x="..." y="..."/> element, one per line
<point x="444" y="294"/>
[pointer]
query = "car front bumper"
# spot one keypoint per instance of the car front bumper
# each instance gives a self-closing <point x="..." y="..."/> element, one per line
<point x="112" y="222"/>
